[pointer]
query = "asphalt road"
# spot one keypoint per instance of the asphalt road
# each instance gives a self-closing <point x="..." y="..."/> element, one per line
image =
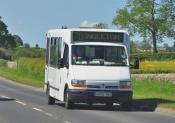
<point x="19" y="104"/>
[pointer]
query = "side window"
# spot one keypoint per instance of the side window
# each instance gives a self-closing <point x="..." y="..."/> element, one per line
<point x="47" y="51"/>
<point x="66" y="54"/>
<point x="52" y="48"/>
<point x="59" y="47"/>
<point x="55" y="51"/>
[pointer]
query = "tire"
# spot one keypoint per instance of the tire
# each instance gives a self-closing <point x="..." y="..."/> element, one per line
<point x="68" y="103"/>
<point x="126" y="106"/>
<point x="51" y="100"/>
<point x="89" y="103"/>
<point x="47" y="89"/>
<point x="109" y="104"/>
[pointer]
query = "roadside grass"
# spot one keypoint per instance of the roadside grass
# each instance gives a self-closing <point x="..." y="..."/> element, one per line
<point x="150" y="91"/>
<point x="155" y="92"/>
<point x="155" y="67"/>
<point x="22" y="74"/>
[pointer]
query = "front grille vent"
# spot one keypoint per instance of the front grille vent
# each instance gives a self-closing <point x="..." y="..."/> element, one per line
<point x="111" y="87"/>
<point x="93" y="86"/>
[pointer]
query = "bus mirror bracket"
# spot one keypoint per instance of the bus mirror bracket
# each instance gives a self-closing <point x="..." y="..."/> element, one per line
<point x="136" y="64"/>
<point x="60" y="63"/>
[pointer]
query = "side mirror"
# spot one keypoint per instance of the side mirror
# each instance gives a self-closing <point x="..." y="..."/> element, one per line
<point x="67" y="65"/>
<point x="60" y="63"/>
<point x="136" y="63"/>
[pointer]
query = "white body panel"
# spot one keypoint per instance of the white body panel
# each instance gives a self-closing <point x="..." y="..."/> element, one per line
<point x="100" y="72"/>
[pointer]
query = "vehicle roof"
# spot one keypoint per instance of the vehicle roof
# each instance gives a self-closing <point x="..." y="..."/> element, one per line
<point x="85" y="29"/>
<point x="98" y="43"/>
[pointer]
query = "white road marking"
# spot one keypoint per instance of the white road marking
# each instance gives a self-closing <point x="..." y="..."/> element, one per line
<point x="67" y="122"/>
<point x="5" y="97"/>
<point x="37" y="109"/>
<point x="46" y="113"/>
<point x="19" y="102"/>
<point x="116" y="104"/>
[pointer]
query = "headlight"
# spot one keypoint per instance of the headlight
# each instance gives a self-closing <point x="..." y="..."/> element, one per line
<point x="125" y="84"/>
<point x="78" y="83"/>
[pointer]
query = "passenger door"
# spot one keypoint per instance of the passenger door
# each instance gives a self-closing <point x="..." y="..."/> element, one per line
<point x="64" y="71"/>
<point x="54" y="71"/>
<point x="58" y="72"/>
<point x="47" y="62"/>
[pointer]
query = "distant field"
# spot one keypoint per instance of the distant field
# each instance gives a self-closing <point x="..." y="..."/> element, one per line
<point x="155" y="67"/>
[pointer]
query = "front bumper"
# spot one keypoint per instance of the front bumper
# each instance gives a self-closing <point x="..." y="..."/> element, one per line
<point x="87" y="96"/>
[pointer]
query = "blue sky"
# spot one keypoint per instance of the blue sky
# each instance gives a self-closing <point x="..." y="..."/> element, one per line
<point x="30" y="19"/>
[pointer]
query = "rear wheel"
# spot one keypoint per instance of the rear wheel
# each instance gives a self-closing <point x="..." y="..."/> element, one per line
<point x="68" y="103"/>
<point x="51" y="100"/>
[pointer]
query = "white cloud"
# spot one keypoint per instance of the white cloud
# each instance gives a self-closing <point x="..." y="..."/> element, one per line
<point x="86" y="23"/>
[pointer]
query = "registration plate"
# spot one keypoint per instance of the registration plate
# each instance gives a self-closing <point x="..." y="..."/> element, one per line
<point x="103" y="94"/>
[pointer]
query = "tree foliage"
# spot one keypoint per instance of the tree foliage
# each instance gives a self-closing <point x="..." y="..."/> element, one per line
<point x="3" y="28"/>
<point x="101" y="26"/>
<point x="154" y="19"/>
<point x="173" y="47"/>
<point x="8" y="40"/>
<point x="18" y="40"/>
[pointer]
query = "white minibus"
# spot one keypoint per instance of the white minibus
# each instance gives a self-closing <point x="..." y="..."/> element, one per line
<point x="88" y="66"/>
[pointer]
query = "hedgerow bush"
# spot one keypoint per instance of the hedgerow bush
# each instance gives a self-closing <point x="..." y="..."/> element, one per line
<point x="28" y="52"/>
<point x="33" y="66"/>
<point x="162" y="56"/>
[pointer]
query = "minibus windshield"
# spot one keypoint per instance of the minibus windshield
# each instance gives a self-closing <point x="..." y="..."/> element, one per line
<point x="99" y="55"/>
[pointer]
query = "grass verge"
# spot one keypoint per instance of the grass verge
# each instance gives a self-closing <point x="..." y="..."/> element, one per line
<point x="153" y="92"/>
<point x="20" y="76"/>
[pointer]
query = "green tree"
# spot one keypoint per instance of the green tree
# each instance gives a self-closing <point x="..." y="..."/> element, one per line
<point x="153" y="18"/>
<point x="145" y="45"/>
<point x="18" y="40"/>
<point x="26" y="45"/>
<point x="173" y="47"/>
<point x="101" y="26"/>
<point x="167" y="47"/>
<point x="37" y="46"/>
<point x="8" y="40"/>
<point x="133" y="46"/>
<point x="3" y="28"/>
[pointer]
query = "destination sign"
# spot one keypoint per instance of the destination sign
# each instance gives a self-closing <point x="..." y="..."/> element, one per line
<point x="87" y="36"/>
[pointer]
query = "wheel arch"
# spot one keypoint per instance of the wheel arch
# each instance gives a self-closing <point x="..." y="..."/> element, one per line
<point x="65" y="88"/>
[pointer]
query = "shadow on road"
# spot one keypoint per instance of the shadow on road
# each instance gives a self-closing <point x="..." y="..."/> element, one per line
<point x="6" y="99"/>
<point x="91" y="107"/>
<point x="139" y="105"/>
<point x="149" y="105"/>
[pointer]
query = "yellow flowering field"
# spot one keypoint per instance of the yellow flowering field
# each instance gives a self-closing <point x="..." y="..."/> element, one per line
<point x="156" y="67"/>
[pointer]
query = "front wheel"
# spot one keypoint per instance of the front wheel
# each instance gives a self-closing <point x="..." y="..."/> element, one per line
<point x="68" y="103"/>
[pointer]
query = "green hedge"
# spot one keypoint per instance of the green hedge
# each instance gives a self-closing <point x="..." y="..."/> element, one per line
<point x="28" y="52"/>
<point x="154" y="56"/>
